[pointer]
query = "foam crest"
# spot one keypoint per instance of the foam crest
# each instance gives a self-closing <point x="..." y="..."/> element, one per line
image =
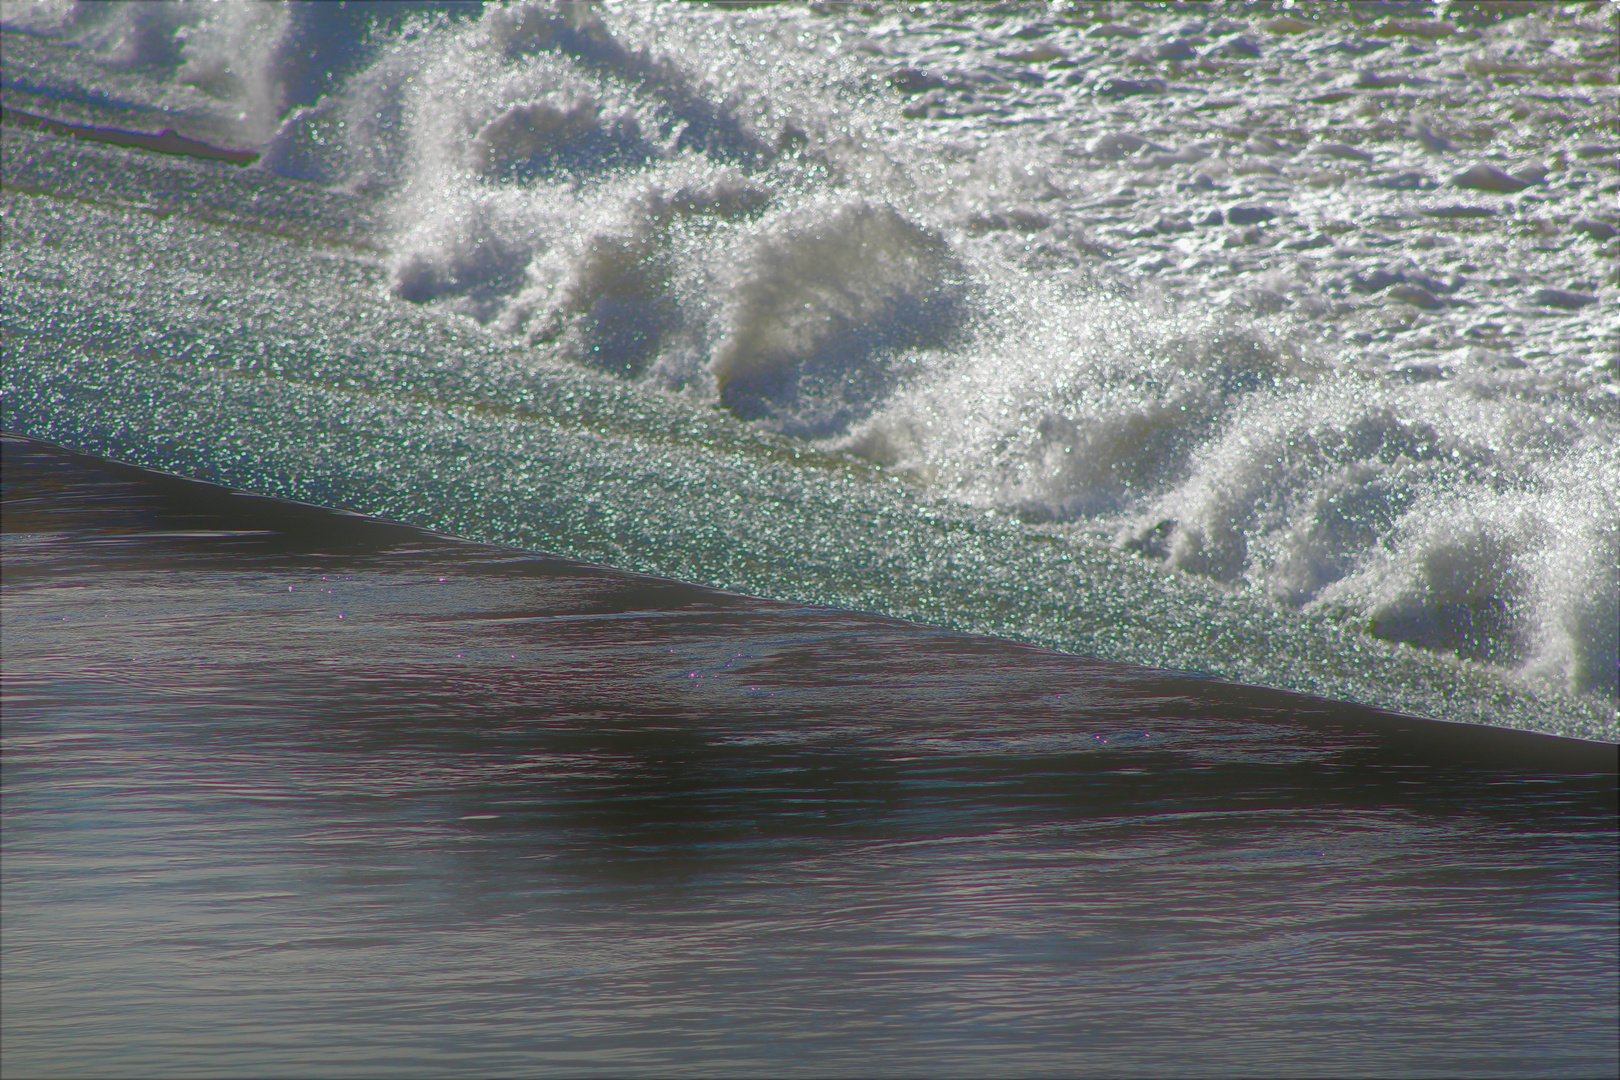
<point x="123" y="37"/>
<point x="46" y="18"/>
<point x="1473" y="517"/>
<point x="1523" y="577"/>
<point x="823" y="303"/>
<point x="230" y="71"/>
<point x="562" y="186"/>
<point x="539" y="136"/>
<point x="1418" y="513"/>
<point x="146" y="35"/>
<point x="615" y="287"/>
<point x="1069" y="402"/>
<point x="473" y="250"/>
<point x="1294" y="482"/>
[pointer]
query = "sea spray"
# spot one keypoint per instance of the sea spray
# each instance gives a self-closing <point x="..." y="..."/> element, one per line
<point x="1013" y="274"/>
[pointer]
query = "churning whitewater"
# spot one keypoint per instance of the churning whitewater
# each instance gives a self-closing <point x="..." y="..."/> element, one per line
<point x="1102" y="272"/>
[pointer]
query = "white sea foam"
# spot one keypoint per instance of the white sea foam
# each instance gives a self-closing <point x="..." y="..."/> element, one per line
<point x="1290" y="361"/>
<point x="230" y="70"/>
<point x="822" y="301"/>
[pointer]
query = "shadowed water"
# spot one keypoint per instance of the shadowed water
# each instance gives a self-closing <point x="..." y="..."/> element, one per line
<point x="293" y="792"/>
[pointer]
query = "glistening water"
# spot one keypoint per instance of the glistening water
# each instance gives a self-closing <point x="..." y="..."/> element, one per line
<point x="294" y="793"/>
<point x="1139" y="356"/>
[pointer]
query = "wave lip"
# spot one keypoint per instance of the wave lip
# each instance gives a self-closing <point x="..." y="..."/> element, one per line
<point x="821" y="307"/>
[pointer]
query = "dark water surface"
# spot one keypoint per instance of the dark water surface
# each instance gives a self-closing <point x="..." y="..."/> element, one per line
<point x="289" y="792"/>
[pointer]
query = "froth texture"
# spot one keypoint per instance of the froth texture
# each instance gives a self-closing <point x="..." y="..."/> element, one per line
<point x="1218" y="291"/>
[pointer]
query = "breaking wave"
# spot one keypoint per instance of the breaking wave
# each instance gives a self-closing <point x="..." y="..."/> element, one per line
<point x="747" y="236"/>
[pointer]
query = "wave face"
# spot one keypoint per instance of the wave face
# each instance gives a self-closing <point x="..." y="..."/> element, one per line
<point x="1100" y="279"/>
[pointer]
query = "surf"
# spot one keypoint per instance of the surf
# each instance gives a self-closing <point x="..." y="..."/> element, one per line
<point x="598" y="282"/>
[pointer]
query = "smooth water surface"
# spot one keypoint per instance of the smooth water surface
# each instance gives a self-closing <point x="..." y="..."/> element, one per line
<point x="296" y="793"/>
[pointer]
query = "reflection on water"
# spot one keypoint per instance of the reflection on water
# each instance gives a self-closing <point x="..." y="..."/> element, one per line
<point x="289" y="792"/>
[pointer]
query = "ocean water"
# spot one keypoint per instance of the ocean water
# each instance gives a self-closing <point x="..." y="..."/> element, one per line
<point x="1002" y="538"/>
<point x="296" y="793"/>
